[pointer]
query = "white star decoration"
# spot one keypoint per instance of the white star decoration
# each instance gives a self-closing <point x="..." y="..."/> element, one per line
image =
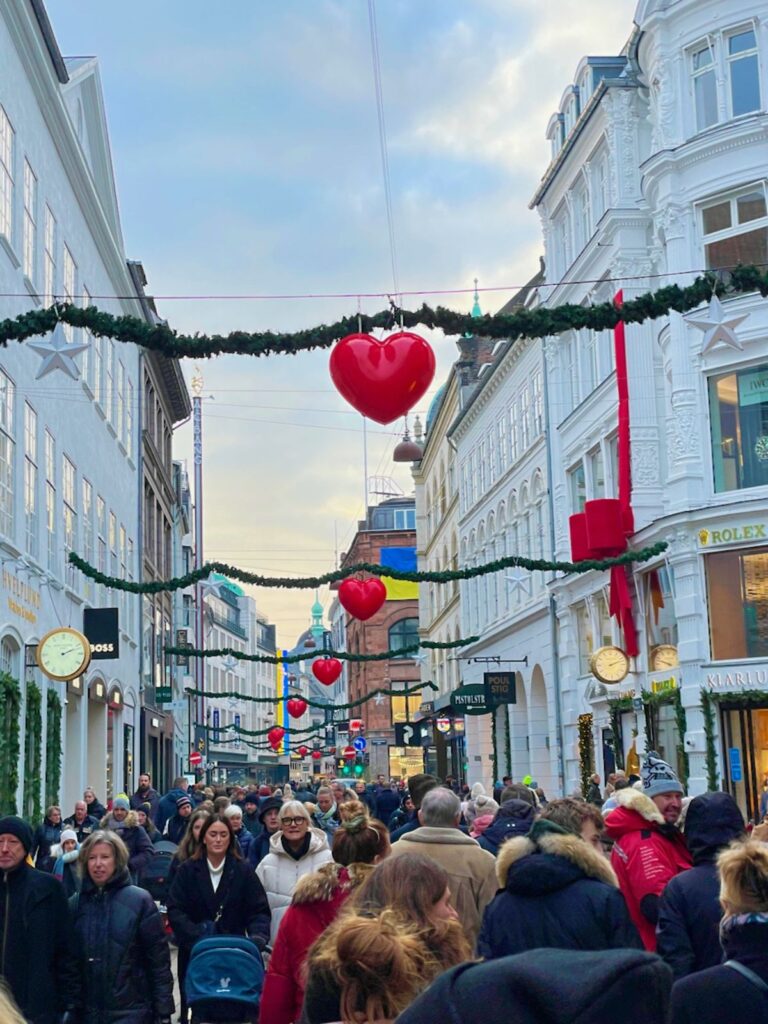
<point x="378" y="700"/>
<point x="57" y="355"/>
<point x="518" y="580"/>
<point x="718" y="327"/>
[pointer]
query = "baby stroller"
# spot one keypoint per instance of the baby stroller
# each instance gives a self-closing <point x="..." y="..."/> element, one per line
<point x="224" y="979"/>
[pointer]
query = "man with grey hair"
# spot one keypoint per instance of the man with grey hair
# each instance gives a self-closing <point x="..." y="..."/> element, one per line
<point x="471" y="871"/>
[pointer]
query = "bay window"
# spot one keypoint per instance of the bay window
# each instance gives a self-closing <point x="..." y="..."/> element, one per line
<point x="738" y="403"/>
<point x="725" y="76"/>
<point x="735" y="228"/>
<point x="743" y="72"/>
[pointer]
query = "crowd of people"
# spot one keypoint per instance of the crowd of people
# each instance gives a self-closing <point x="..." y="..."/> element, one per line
<point x="382" y="902"/>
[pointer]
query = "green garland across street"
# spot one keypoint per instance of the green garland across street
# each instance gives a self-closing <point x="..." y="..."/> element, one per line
<point x="524" y="323"/>
<point x="236" y="695"/>
<point x="292" y="659"/>
<point x="313" y="582"/>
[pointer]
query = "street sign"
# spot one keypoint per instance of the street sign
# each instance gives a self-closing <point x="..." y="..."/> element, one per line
<point x="734" y="759"/>
<point x="409" y="734"/>
<point x="163" y="694"/>
<point x="470" y="698"/>
<point x="216" y="723"/>
<point x="500" y="688"/>
<point x="195" y="757"/>
<point x="349" y="753"/>
<point x="359" y="744"/>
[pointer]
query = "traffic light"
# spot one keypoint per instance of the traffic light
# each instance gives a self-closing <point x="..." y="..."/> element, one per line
<point x="359" y="768"/>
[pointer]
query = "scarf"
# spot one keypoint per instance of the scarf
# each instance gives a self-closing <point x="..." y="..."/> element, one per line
<point x="324" y="819"/>
<point x="738" y="921"/>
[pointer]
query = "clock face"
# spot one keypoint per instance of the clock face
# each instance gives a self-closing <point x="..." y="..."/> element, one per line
<point x="664" y="656"/>
<point x="609" y="664"/>
<point x="63" y="653"/>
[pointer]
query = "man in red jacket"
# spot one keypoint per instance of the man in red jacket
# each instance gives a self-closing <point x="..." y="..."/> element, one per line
<point x="649" y="849"/>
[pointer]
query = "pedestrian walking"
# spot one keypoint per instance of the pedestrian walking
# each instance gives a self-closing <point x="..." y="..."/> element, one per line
<point x="269" y="817"/>
<point x="190" y="841"/>
<point x="737" y="989"/>
<point x="176" y="825"/>
<point x="593" y="794"/>
<point x="514" y="818"/>
<point x="296" y="850"/>
<point x="557" y="889"/>
<point x="326" y="816"/>
<point x="215" y="893"/>
<point x="387" y="801"/>
<point x="358" y="844"/>
<point x="81" y="822"/>
<point x="124" y="822"/>
<point x="397" y="934"/>
<point x="144" y="818"/>
<point x="251" y="814"/>
<point x="471" y="870"/>
<point x="167" y="806"/>
<point x="243" y="836"/>
<point x="418" y="787"/>
<point x="648" y="848"/>
<point x="485" y="810"/>
<point x="365" y="796"/>
<point x="36" y="956"/>
<point x="688" y="932"/>
<point x="120" y="942"/>
<point x="95" y="807"/>
<point x="145" y="794"/>
<point x="403" y="814"/>
<point x="65" y="864"/>
<point x="47" y="835"/>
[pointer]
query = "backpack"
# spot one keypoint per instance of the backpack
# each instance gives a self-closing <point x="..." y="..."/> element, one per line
<point x="154" y="876"/>
<point x="224" y="978"/>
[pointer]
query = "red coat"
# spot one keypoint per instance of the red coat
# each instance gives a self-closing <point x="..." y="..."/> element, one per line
<point x="317" y="900"/>
<point x="646" y="854"/>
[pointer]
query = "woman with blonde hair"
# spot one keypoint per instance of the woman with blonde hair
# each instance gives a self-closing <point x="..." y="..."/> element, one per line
<point x="359" y="843"/>
<point x="9" y="1011"/>
<point x="397" y="934"/>
<point x="712" y="996"/>
<point x="190" y="842"/>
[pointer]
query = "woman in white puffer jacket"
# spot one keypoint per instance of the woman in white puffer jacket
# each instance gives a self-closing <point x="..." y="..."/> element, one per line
<point x="296" y="850"/>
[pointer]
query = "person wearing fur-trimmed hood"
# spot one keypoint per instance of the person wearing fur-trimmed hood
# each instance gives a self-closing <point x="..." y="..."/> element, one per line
<point x="557" y="889"/>
<point x="648" y="849"/>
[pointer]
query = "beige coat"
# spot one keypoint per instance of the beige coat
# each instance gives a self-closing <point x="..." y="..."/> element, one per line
<point x="471" y="870"/>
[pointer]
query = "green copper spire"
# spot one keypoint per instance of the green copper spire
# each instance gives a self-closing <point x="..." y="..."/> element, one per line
<point x="316" y="629"/>
<point x="476" y="311"/>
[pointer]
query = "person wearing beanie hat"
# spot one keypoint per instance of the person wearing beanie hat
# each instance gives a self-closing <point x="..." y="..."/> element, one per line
<point x="65" y="865"/>
<point x="251" y="821"/>
<point x="176" y="826"/>
<point x="144" y="818"/>
<point x="269" y="817"/>
<point x="37" y="964"/>
<point x="125" y="822"/>
<point x="649" y="849"/>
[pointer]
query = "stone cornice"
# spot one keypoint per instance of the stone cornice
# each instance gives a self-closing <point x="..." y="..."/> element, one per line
<point x="723" y="138"/>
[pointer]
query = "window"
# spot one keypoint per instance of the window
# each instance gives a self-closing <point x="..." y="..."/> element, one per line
<point x="69" y="498"/>
<point x="6" y="176"/>
<point x="660" y="618"/>
<point x="69" y="273"/>
<point x="704" y="85"/>
<point x="737" y="589"/>
<point x="584" y="637"/>
<point x="98" y="348"/>
<point x="49" y="255"/>
<point x="109" y="365"/>
<point x="735" y="228"/>
<point x="87" y="362"/>
<point x="582" y="220"/>
<point x="578" y="487"/>
<point x="597" y="472"/>
<point x="405" y="519"/>
<point x="87" y="505"/>
<point x="501" y="442"/>
<point x="120" y="419"/>
<point x="571" y="374"/>
<point x="525" y="417"/>
<point x="404" y="709"/>
<point x="604" y="621"/>
<point x="590" y="363"/>
<point x="738" y="404"/>
<point x="514" y="439"/>
<point x="743" y="72"/>
<point x="7" y="452"/>
<point x="538" y="404"/>
<point x="113" y="543"/>
<point x="123" y="564"/>
<point x="50" y="499"/>
<point x="404" y="633"/>
<point x="128" y="438"/>
<point x="30" y="479"/>
<point x="30" y="221"/>
<point x="600" y="185"/>
<point x="101" y="530"/>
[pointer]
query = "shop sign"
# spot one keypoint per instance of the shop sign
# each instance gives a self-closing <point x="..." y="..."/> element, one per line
<point x="664" y="685"/>
<point x="163" y="694"/>
<point x="408" y="734"/>
<point x="734" y="762"/>
<point x="23" y="599"/>
<point x="100" y="626"/>
<point x="427" y="707"/>
<point x="470" y="699"/>
<point x="753" y="388"/>
<point x="500" y="688"/>
<point x="747" y="679"/>
<point x="732" y="534"/>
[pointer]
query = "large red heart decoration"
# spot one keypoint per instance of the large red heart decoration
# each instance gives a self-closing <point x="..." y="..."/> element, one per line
<point x="296" y="707"/>
<point x="362" y="598"/>
<point x="275" y="736"/>
<point x="326" y="670"/>
<point x="382" y="379"/>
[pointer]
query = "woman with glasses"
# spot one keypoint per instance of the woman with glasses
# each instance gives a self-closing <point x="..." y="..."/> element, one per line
<point x="295" y="850"/>
<point x="215" y="892"/>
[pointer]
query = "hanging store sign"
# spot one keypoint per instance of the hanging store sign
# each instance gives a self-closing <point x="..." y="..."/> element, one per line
<point x="471" y="699"/>
<point x="100" y="626"/>
<point x="500" y="688"/>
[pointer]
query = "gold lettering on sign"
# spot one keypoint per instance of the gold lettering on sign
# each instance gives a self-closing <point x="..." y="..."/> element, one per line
<point x="23" y="599"/>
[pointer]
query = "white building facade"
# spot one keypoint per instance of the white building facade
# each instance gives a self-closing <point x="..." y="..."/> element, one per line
<point x="70" y="448"/>
<point x="658" y="171"/>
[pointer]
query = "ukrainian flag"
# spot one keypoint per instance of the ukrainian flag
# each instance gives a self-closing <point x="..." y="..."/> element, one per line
<point x="403" y="559"/>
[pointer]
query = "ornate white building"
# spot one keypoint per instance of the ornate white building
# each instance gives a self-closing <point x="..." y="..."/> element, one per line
<point x="658" y="171"/>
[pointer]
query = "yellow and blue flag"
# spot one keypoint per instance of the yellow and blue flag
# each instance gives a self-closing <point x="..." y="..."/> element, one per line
<point x="403" y="559"/>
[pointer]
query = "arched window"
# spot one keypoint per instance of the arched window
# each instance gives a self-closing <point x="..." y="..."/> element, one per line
<point x="9" y="657"/>
<point x="404" y="633"/>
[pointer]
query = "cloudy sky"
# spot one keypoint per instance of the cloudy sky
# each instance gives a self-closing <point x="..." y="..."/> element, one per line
<point x="245" y="143"/>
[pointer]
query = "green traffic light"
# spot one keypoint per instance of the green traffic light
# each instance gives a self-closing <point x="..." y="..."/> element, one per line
<point x="359" y="769"/>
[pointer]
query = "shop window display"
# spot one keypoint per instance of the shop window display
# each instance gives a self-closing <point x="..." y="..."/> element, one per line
<point x="737" y="591"/>
<point x="739" y="427"/>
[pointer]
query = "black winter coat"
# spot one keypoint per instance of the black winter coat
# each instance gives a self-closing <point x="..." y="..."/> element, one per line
<point x="193" y="905"/>
<point x="258" y="849"/>
<point x="177" y="827"/>
<point x="719" y="994"/>
<point x="125" y="962"/>
<point x="150" y="796"/>
<point x="140" y="848"/>
<point x="514" y="818"/>
<point x="557" y="892"/>
<point x="96" y="810"/>
<point x="688" y="930"/>
<point x="387" y="802"/>
<point x="84" y="829"/>
<point x="37" y="961"/>
<point x="46" y="836"/>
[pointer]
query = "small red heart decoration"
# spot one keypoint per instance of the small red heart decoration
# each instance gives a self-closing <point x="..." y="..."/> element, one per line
<point x="275" y="736"/>
<point x="296" y="707"/>
<point x="326" y="670"/>
<point x="316" y="755"/>
<point x="382" y="379"/>
<point x="303" y="751"/>
<point x="362" y="598"/>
